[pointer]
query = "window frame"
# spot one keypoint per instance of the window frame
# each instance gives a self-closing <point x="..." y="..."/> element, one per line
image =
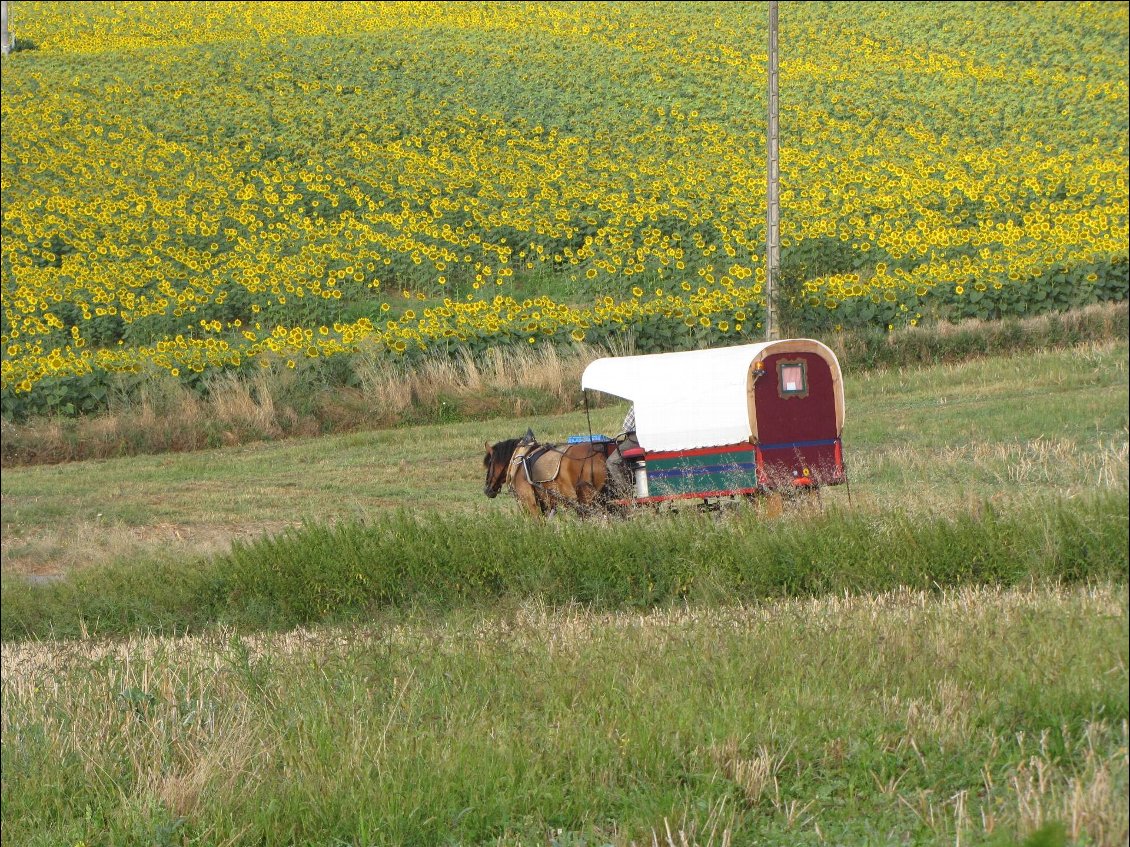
<point x="782" y="392"/>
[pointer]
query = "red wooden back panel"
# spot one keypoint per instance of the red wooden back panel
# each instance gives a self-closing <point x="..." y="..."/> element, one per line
<point x="807" y="424"/>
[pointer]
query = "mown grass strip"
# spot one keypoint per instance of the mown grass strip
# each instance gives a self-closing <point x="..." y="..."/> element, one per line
<point x="343" y="572"/>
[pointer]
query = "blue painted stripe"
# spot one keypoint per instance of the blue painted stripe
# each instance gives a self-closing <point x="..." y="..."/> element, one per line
<point x="693" y="470"/>
<point x="791" y="444"/>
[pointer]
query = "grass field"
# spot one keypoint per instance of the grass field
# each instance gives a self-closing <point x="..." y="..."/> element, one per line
<point x="937" y="657"/>
<point x="974" y="716"/>
<point x="1005" y="429"/>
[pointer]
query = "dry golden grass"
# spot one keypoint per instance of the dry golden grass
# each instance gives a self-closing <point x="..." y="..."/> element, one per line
<point x="167" y="417"/>
<point x="464" y="380"/>
<point x="275" y="403"/>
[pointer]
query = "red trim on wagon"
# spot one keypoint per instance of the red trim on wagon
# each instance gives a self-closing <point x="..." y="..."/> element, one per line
<point x="762" y="478"/>
<point x="700" y="451"/>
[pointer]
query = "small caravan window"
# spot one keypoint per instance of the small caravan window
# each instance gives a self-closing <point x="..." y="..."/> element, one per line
<point x="791" y="379"/>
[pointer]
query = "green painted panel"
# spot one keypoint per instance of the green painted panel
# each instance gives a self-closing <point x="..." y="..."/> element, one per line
<point x="691" y="474"/>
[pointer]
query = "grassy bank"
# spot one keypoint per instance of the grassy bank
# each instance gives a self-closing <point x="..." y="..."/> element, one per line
<point x="969" y="716"/>
<point x="345" y="572"/>
<point x="372" y="392"/>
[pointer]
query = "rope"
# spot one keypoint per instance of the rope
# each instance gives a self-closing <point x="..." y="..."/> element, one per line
<point x="588" y="417"/>
<point x="592" y="451"/>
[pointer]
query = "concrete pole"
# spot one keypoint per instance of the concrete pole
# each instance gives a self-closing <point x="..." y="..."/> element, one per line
<point x="773" y="206"/>
<point x="5" y="38"/>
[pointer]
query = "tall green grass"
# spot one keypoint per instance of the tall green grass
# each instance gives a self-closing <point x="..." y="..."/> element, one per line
<point x="322" y="572"/>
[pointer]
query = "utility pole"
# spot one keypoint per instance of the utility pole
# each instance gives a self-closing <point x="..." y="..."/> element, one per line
<point x="773" y="206"/>
<point x="5" y="38"/>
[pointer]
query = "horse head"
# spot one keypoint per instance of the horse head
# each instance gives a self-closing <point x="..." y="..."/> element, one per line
<point x="496" y="462"/>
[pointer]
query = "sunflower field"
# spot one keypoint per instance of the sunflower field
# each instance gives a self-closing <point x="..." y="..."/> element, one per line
<point x="191" y="188"/>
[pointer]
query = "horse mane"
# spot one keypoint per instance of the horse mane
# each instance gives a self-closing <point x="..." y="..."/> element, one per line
<point x="503" y="451"/>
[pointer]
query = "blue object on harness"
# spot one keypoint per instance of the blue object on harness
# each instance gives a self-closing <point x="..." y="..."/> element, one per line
<point x="583" y="439"/>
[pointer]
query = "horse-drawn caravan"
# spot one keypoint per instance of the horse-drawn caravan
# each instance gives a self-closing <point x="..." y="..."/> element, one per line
<point x="726" y="422"/>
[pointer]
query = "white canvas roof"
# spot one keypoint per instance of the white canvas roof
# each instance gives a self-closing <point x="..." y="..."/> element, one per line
<point x="696" y="398"/>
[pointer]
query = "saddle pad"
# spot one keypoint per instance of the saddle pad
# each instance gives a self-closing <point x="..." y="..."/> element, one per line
<point x="542" y="464"/>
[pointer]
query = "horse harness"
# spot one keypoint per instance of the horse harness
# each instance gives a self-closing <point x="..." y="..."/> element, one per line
<point x="528" y="460"/>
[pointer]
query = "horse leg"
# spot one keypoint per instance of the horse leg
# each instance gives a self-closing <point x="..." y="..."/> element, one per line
<point x="564" y="491"/>
<point x="589" y="486"/>
<point x="546" y="498"/>
<point x="586" y="494"/>
<point x="551" y="498"/>
<point x="527" y="497"/>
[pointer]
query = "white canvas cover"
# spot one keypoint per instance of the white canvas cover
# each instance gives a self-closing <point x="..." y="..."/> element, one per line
<point x="697" y="398"/>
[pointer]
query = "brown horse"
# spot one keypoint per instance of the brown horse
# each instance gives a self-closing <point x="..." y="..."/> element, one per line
<point x="544" y="476"/>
